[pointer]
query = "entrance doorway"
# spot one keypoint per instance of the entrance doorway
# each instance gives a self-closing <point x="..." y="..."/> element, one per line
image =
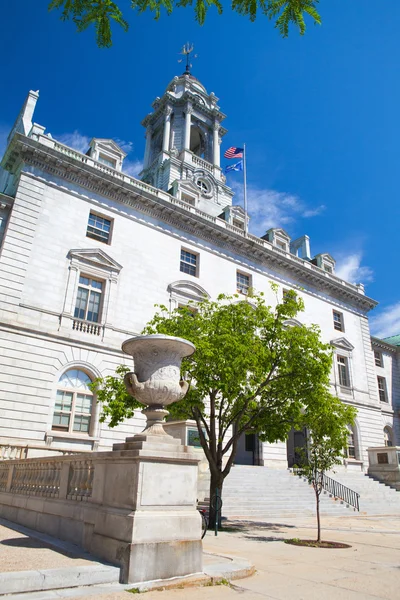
<point x="249" y="450"/>
<point x="296" y="442"/>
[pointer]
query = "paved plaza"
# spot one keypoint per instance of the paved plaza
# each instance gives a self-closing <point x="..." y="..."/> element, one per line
<point x="368" y="570"/>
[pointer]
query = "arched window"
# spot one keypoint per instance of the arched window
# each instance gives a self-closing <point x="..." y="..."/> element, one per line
<point x="197" y="142"/>
<point x="74" y="403"/>
<point x="350" y="450"/>
<point x="388" y="436"/>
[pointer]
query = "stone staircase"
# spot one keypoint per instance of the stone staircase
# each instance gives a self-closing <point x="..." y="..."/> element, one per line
<point x="269" y="493"/>
<point x="376" y="498"/>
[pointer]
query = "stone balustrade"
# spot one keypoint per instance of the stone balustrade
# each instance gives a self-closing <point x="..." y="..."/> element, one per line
<point x="134" y="506"/>
<point x="46" y="477"/>
<point x="23" y="451"/>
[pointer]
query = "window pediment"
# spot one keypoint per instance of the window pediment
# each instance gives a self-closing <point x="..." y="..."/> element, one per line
<point x="292" y="323"/>
<point x="188" y="290"/>
<point x="108" y="144"/>
<point x="342" y="343"/>
<point x="95" y="258"/>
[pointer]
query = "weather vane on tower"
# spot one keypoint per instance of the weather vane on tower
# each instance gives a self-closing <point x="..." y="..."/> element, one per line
<point x="187" y="49"/>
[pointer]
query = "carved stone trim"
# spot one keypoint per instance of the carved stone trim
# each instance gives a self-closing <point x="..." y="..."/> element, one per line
<point x="53" y="162"/>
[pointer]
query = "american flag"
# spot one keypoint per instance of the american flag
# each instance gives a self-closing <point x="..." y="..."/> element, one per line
<point x="234" y="153"/>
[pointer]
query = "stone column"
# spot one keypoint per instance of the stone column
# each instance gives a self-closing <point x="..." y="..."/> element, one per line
<point x="167" y="128"/>
<point x="188" y="125"/>
<point x="216" y="144"/>
<point x="146" y="161"/>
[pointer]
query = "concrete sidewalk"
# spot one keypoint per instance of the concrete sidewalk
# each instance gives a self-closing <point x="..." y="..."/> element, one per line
<point x="367" y="571"/>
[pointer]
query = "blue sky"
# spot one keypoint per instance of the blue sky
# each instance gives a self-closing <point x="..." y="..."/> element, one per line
<point x="319" y="114"/>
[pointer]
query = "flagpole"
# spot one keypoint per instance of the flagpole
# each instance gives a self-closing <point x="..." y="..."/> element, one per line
<point x="245" y="189"/>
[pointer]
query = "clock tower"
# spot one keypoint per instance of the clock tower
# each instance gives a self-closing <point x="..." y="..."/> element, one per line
<point x="183" y="137"/>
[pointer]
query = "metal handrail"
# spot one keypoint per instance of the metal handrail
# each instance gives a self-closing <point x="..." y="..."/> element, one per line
<point x="336" y="489"/>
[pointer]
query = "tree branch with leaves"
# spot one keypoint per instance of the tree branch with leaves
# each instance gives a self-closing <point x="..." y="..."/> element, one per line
<point x="251" y="372"/>
<point x="327" y="423"/>
<point x="103" y="13"/>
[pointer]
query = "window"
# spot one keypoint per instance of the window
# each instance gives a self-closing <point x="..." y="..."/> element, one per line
<point x="238" y="224"/>
<point x="338" y="322"/>
<point x="387" y="436"/>
<point x="98" y="228"/>
<point x="107" y="161"/>
<point x="350" y="451"/>
<point x="203" y="186"/>
<point x="328" y="268"/>
<point x="285" y="295"/>
<point x="382" y="389"/>
<point x="188" y="308"/>
<point x="281" y="245"/>
<point x="243" y="283"/>
<point x="88" y="299"/>
<point x="343" y="371"/>
<point x="74" y="402"/>
<point x="189" y="263"/>
<point x="189" y="199"/>
<point x="378" y="358"/>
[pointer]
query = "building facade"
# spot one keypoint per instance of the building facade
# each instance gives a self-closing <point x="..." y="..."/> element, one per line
<point x="87" y="251"/>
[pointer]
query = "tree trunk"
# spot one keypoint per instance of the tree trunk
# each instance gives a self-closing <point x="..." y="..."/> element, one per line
<point x="318" y="517"/>
<point x="216" y="483"/>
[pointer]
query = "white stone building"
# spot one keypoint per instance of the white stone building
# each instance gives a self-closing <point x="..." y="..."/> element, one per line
<point x="86" y="251"/>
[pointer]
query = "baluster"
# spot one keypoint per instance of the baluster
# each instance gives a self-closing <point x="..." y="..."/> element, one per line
<point x="42" y="479"/>
<point x="58" y="480"/>
<point x="46" y="478"/>
<point x="73" y="486"/>
<point x="51" y="472"/>
<point x="88" y="480"/>
<point x="23" y="473"/>
<point x="81" y="479"/>
<point x="28" y="473"/>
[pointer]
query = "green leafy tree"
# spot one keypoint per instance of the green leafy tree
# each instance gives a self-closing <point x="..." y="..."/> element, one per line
<point x="250" y="372"/>
<point x="327" y="422"/>
<point x="102" y="13"/>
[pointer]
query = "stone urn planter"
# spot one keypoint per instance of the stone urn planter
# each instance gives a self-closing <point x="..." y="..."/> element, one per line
<point x="156" y="380"/>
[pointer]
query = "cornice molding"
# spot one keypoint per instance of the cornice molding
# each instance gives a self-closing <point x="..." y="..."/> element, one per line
<point x="385" y="345"/>
<point x="161" y="205"/>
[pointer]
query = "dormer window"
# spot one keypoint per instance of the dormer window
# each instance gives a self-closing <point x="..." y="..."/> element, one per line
<point x="324" y="262"/>
<point x="281" y="245"/>
<point x="278" y="238"/>
<point x="107" y="152"/>
<point x="107" y="161"/>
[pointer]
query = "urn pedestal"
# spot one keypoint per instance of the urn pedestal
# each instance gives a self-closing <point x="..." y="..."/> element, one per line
<point x="163" y="526"/>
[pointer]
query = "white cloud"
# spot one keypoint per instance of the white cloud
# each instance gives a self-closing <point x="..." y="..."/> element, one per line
<point x="80" y="142"/>
<point x="271" y="208"/>
<point x="132" y="167"/>
<point x="75" y="140"/>
<point x="124" y="145"/>
<point x="386" y="322"/>
<point x="349" y="268"/>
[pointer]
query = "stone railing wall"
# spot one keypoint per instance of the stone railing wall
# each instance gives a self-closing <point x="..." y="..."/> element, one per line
<point x="63" y="477"/>
<point x="113" y="504"/>
<point x="21" y="451"/>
